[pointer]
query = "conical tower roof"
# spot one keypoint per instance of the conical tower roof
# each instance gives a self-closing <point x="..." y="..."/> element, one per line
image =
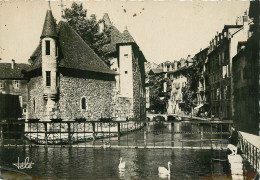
<point x="106" y="20"/>
<point x="49" y="28"/>
<point x="127" y="37"/>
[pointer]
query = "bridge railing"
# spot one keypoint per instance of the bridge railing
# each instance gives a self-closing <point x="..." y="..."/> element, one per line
<point x="250" y="151"/>
<point x="148" y="134"/>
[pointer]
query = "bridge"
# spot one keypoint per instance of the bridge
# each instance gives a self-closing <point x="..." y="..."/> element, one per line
<point x="151" y="116"/>
<point x="181" y="116"/>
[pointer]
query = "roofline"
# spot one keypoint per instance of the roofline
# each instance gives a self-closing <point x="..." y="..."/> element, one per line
<point x="207" y="48"/>
<point x="53" y="37"/>
<point x="180" y="69"/>
<point x="127" y="43"/>
<point x="1" y="78"/>
<point x="214" y="50"/>
<point x="112" y="72"/>
<point x="232" y="26"/>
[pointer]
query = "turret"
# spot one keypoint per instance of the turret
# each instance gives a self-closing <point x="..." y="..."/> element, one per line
<point x="49" y="57"/>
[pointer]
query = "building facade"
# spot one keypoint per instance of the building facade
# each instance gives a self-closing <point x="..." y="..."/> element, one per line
<point x="222" y="49"/>
<point x="67" y="79"/>
<point x="202" y="95"/>
<point x="246" y="78"/>
<point x="127" y="60"/>
<point x="13" y="84"/>
<point x="179" y="80"/>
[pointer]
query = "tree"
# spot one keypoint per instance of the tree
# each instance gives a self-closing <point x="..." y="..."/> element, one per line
<point x="189" y="91"/>
<point x="159" y="98"/>
<point x="187" y="96"/>
<point x="87" y="28"/>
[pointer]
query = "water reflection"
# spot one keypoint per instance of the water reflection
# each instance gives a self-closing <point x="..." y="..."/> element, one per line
<point x="97" y="163"/>
<point x="89" y="163"/>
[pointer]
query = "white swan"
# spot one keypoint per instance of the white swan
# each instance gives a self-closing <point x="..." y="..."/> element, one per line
<point x="107" y="145"/>
<point x="121" y="165"/>
<point x="163" y="171"/>
<point x="233" y="149"/>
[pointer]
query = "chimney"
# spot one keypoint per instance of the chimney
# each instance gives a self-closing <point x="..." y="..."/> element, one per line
<point x="13" y="63"/>
<point x="245" y="27"/>
<point x="30" y="61"/>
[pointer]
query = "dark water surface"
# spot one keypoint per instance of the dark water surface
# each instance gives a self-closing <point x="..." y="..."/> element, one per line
<point x="90" y="163"/>
<point x="96" y="163"/>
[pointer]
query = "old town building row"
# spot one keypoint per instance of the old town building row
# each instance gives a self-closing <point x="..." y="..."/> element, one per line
<point x="228" y="78"/>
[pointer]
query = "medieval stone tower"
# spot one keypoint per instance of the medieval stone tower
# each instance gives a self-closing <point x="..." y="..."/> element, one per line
<point x="49" y="62"/>
<point x="127" y="60"/>
<point x="67" y="79"/>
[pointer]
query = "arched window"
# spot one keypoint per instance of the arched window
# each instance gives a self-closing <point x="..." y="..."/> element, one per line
<point x="83" y="103"/>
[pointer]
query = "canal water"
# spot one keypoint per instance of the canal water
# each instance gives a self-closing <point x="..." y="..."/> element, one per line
<point x="95" y="163"/>
<point x="87" y="163"/>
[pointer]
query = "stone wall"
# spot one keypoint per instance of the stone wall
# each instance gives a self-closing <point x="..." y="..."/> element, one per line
<point x="98" y="94"/>
<point x="36" y="103"/>
<point x="122" y="108"/>
<point x="139" y="102"/>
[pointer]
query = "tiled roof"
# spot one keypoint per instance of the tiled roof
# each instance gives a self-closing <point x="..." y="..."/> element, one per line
<point x="127" y="37"/>
<point x="6" y="71"/>
<point x="116" y="37"/>
<point x="106" y="20"/>
<point x="166" y="63"/>
<point x="232" y="26"/>
<point x="156" y="71"/>
<point x="181" y="69"/>
<point x="75" y="53"/>
<point x="49" y="28"/>
<point x="202" y="51"/>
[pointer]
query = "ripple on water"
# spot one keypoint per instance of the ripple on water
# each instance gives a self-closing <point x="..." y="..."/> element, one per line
<point x="89" y="163"/>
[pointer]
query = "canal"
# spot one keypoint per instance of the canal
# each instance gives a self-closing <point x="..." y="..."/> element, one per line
<point x="56" y="162"/>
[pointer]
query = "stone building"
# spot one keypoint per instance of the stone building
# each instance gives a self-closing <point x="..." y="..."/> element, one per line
<point x="202" y="95"/>
<point x="167" y="66"/>
<point x="221" y="51"/>
<point x="127" y="60"/>
<point x="67" y="79"/>
<point x="13" y="84"/>
<point x="179" y="80"/>
<point x="246" y="78"/>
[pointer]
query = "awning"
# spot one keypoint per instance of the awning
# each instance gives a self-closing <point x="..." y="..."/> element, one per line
<point x="199" y="106"/>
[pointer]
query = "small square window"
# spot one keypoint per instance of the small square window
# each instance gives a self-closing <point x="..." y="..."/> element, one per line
<point x="125" y="72"/>
<point x="2" y="84"/>
<point x="126" y="55"/>
<point x="24" y="110"/>
<point x="16" y="84"/>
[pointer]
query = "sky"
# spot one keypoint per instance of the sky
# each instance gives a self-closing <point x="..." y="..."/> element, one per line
<point x="164" y="30"/>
